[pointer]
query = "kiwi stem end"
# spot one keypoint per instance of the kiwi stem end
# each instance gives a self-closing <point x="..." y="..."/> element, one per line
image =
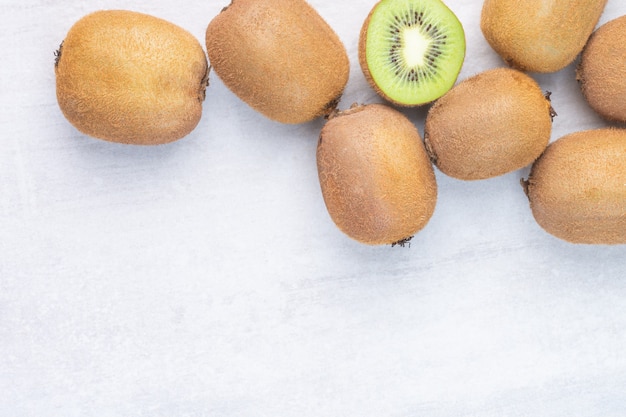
<point x="553" y="112"/>
<point x="403" y="242"/>
<point x="57" y="55"/>
<point x="429" y="150"/>
<point x="226" y="7"/>
<point x="204" y="84"/>
<point x="525" y="184"/>
<point x="336" y="112"/>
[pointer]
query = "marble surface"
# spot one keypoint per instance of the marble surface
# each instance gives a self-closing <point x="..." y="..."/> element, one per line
<point x="205" y="277"/>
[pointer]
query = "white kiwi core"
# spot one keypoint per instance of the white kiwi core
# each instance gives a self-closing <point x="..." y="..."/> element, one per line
<point x="416" y="46"/>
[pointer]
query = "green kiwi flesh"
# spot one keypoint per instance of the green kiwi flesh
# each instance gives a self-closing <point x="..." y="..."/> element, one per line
<point x="411" y="51"/>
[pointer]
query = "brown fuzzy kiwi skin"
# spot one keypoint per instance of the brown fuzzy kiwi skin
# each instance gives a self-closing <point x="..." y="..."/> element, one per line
<point x="577" y="188"/>
<point x="132" y="78"/>
<point x="488" y="125"/>
<point x="539" y="35"/>
<point x="601" y="71"/>
<point x="376" y="179"/>
<point x="280" y="57"/>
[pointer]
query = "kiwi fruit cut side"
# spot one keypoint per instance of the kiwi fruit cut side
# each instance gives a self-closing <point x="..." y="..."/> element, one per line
<point x="376" y="179"/>
<point x="128" y="77"/>
<point x="539" y="35"/>
<point x="411" y="51"/>
<point x="488" y="125"/>
<point x="280" y="57"/>
<point x="601" y="71"/>
<point x="577" y="188"/>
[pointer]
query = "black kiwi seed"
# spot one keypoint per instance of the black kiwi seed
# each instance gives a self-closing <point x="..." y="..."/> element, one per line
<point x="410" y="19"/>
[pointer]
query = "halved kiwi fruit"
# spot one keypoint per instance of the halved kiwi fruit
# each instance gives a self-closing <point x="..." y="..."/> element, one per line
<point x="411" y="51"/>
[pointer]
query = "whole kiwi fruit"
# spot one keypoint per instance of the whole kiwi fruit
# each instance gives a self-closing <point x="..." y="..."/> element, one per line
<point x="129" y="77"/>
<point x="489" y="124"/>
<point x="601" y="70"/>
<point x="539" y="35"/>
<point x="376" y="179"/>
<point x="280" y="57"/>
<point x="577" y="188"/>
<point x="411" y="52"/>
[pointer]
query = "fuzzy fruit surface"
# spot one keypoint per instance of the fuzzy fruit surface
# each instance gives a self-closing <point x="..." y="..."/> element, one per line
<point x="376" y="179"/>
<point x="539" y="35"/>
<point x="128" y="77"/>
<point x="280" y="57"/>
<point x="601" y="71"/>
<point x="488" y="125"/>
<point x="577" y="189"/>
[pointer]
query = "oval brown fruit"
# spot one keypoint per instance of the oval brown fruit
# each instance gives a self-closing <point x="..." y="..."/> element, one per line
<point x="280" y="57"/>
<point x="377" y="182"/>
<point x="128" y="77"/>
<point x="602" y="70"/>
<point x="539" y="35"/>
<point x="488" y="125"/>
<point x="577" y="189"/>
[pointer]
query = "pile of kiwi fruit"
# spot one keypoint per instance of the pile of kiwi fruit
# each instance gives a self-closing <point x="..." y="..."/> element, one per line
<point x="128" y="77"/>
